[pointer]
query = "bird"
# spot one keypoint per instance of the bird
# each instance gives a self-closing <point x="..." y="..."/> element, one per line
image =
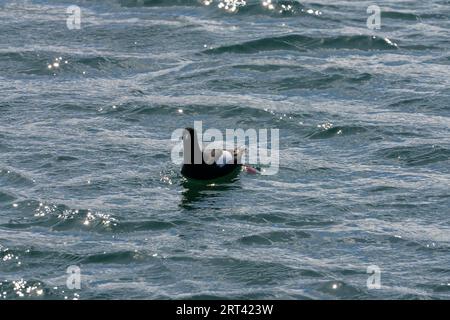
<point x="209" y="165"/>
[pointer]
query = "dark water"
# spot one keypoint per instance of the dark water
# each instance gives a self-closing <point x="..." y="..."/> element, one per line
<point x="86" y="177"/>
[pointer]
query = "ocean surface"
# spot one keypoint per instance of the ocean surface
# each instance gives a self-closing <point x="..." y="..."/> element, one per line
<point x="86" y="177"/>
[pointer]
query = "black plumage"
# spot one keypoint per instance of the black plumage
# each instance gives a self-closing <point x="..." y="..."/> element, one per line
<point x="195" y="166"/>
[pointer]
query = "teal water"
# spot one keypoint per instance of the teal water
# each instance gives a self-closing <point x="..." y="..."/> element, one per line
<point x="86" y="177"/>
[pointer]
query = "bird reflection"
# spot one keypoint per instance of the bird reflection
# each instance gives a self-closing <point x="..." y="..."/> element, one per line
<point x="195" y="190"/>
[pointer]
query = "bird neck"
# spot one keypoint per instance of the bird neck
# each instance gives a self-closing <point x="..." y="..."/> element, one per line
<point x="192" y="151"/>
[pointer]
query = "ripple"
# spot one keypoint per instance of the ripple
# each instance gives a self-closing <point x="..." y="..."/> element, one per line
<point x="251" y="272"/>
<point x="339" y="289"/>
<point x="298" y="42"/>
<point x="130" y="226"/>
<point x="307" y="79"/>
<point x="269" y="238"/>
<point x="6" y="197"/>
<point x="158" y="3"/>
<point x="53" y="63"/>
<point x="278" y="8"/>
<point x="119" y="257"/>
<point x="34" y="290"/>
<point x="225" y="111"/>
<point x="419" y="155"/>
<point x="21" y="289"/>
<point x="15" y="178"/>
<point x="66" y="158"/>
<point x="407" y="16"/>
<point x="60" y="217"/>
<point x="333" y="131"/>
<point x="433" y="104"/>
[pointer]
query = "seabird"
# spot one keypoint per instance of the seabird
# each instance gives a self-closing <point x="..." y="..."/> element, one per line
<point x="219" y="163"/>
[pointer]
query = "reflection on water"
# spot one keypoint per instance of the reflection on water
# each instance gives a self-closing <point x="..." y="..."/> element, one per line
<point x="196" y="191"/>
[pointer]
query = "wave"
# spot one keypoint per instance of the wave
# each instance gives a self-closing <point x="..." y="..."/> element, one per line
<point x="425" y="104"/>
<point x="49" y="63"/>
<point x="445" y="60"/>
<point x="151" y="225"/>
<point x="269" y="238"/>
<point x="249" y="6"/>
<point x="23" y="62"/>
<point x="159" y="3"/>
<point x="124" y="256"/>
<point x="416" y="155"/>
<point x="296" y="42"/>
<point x="306" y="80"/>
<point x="336" y="131"/>
<point x="228" y="111"/>
<point x="6" y="197"/>
<point x="14" y="178"/>
<point x="279" y="9"/>
<point x="408" y="16"/>
<point x="59" y="217"/>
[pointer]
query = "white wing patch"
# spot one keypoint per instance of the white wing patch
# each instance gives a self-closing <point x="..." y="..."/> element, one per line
<point x="226" y="157"/>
